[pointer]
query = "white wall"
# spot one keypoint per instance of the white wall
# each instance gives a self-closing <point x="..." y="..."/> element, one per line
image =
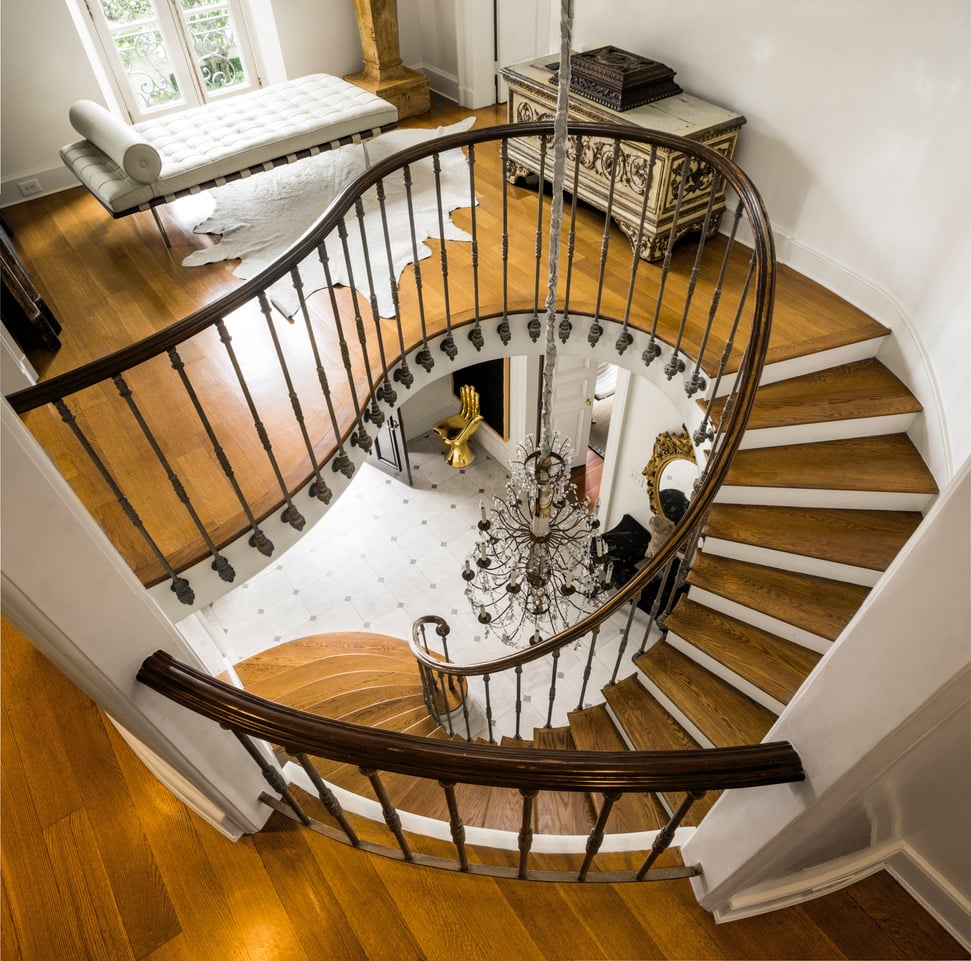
<point x="857" y="137"/>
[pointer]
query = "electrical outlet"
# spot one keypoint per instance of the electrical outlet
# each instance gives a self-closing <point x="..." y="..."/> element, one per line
<point x="30" y="187"/>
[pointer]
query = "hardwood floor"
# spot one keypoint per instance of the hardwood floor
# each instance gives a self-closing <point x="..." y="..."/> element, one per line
<point x="101" y="863"/>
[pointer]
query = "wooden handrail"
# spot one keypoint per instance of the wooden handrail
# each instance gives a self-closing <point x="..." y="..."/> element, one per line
<point x="298" y="732"/>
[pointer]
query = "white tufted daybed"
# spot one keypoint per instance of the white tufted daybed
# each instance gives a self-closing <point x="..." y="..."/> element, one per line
<point x="136" y="167"/>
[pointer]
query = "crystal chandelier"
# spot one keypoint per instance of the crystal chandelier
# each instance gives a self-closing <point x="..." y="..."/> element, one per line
<point x="540" y="562"/>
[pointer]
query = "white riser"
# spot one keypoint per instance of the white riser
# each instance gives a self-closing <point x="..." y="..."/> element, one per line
<point x="827" y="430"/>
<point x="788" y="632"/>
<point x="797" y="563"/>
<point x="716" y="667"/>
<point x="810" y="363"/>
<point x="812" y="497"/>
<point x="673" y="709"/>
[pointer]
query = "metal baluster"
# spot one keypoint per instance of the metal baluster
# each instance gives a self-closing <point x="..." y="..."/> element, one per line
<point x="373" y="412"/>
<point x="359" y="436"/>
<point x="704" y="431"/>
<point x="475" y="334"/>
<point x="388" y="811"/>
<point x="385" y="391"/>
<point x="653" y="349"/>
<point x="257" y="539"/>
<point x="449" y="346"/>
<point x="444" y="689"/>
<point x="519" y="700"/>
<point x="273" y="776"/>
<point x="219" y="563"/>
<point x="697" y="382"/>
<point x="424" y="356"/>
<point x="596" y="329"/>
<point x="552" y="695"/>
<point x="534" y="327"/>
<point x="526" y="830"/>
<point x="666" y="835"/>
<point x="341" y="461"/>
<point x="328" y="799"/>
<point x="488" y="699"/>
<point x="675" y="364"/>
<point x="624" y="638"/>
<point x="465" y="710"/>
<point x="290" y="515"/>
<point x="180" y="586"/>
<point x="661" y="589"/>
<point x="318" y="487"/>
<point x="566" y="325"/>
<point x="596" y="836"/>
<point x="503" y="329"/>
<point x="625" y="338"/>
<point x="588" y="666"/>
<point x="455" y="824"/>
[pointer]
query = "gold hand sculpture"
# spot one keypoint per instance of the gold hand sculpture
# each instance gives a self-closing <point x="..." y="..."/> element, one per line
<point x="457" y="430"/>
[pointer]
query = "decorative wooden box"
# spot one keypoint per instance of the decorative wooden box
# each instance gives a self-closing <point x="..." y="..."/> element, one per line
<point x="532" y="97"/>
<point x="619" y="79"/>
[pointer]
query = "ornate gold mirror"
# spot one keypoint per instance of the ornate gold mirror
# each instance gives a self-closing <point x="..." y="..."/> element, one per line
<point x="672" y="466"/>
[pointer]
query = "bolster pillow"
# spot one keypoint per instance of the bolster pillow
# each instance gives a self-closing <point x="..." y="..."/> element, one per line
<point x="121" y="142"/>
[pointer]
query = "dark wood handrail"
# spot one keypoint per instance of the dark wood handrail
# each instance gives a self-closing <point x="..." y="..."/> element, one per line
<point x="297" y="731"/>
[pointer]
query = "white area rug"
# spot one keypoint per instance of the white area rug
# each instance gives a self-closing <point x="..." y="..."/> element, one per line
<point x="261" y="216"/>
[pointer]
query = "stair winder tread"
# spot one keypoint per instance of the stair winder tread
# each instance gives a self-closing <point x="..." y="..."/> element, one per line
<point x="772" y="664"/>
<point x="815" y="604"/>
<point x="889" y="462"/>
<point x="861" y="538"/>
<point x="847" y="392"/>
<point x="725" y="716"/>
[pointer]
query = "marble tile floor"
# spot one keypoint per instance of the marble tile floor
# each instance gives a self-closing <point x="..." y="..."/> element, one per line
<point x="386" y="554"/>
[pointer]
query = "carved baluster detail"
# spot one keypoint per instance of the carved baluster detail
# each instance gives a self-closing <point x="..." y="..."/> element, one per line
<point x="449" y="347"/>
<point x="526" y="830"/>
<point x="389" y="811"/>
<point x="475" y="334"/>
<point x="328" y="799"/>
<point x="596" y="836"/>
<point x="486" y="679"/>
<point x="666" y="835"/>
<point x="552" y="694"/>
<point x="596" y="328"/>
<point x="565" y="327"/>
<point x="588" y="667"/>
<point x="424" y="357"/>
<point x="505" y="334"/>
<point x="455" y="824"/>
<point x="273" y="776"/>
<point x="519" y="700"/>
<point x="534" y="327"/>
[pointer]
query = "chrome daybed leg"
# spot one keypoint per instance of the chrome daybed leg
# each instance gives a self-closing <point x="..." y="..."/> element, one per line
<point x="158" y="223"/>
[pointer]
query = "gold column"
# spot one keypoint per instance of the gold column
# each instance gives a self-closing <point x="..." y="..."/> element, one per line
<point x="384" y="74"/>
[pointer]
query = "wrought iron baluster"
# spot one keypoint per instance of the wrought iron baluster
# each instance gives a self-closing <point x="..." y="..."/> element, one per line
<point x="219" y="563"/>
<point x="696" y="381"/>
<point x="455" y="824"/>
<point x="653" y="348"/>
<point x="318" y="487"/>
<point x="359" y="436"/>
<point x="258" y="538"/>
<point x="596" y="328"/>
<point x="373" y="412"/>
<point x="534" y="327"/>
<point x="475" y="334"/>
<point x="526" y="830"/>
<point x="676" y="364"/>
<point x="552" y="694"/>
<point x="444" y="688"/>
<point x="385" y="391"/>
<point x="388" y="811"/>
<point x="587" y="668"/>
<point x="505" y="334"/>
<point x="328" y="799"/>
<point x="486" y="680"/>
<point x="180" y="586"/>
<point x="519" y="700"/>
<point x="704" y="430"/>
<point x="625" y="338"/>
<point x="273" y="776"/>
<point x="465" y="710"/>
<point x="341" y="461"/>
<point x="565" y="327"/>
<point x="449" y="347"/>
<point x="424" y="357"/>
<point x="290" y="515"/>
<point x="596" y="836"/>
<point x="666" y="835"/>
<point x="624" y="639"/>
<point x="667" y="573"/>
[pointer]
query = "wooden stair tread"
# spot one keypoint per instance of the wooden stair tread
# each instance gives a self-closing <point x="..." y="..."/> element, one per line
<point x="561" y="812"/>
<point x="343" y="672"/>
<point x="336" y="705"/>
<point x="847" y="392"/>
<point x="861" y="538"/>
<point x="887" y="463"/>
<point x="395" y="715"/>
<point x="508" y="741"/>
<point x="815" y="604"/>
<point x="771" y="663"/>
<point x="725" y="716"/>
<point x="649" y="727"/>
<point x="593" y="729"/>
<point x="554" y="738"/>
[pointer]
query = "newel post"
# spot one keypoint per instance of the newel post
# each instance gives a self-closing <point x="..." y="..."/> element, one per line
<point x="384" y="74"/>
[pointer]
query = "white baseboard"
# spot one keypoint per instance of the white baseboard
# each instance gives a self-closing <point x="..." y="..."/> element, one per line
<point x="444" y="84"/>
<point x="52" y="181"/>
<point x="939" y="898"/>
